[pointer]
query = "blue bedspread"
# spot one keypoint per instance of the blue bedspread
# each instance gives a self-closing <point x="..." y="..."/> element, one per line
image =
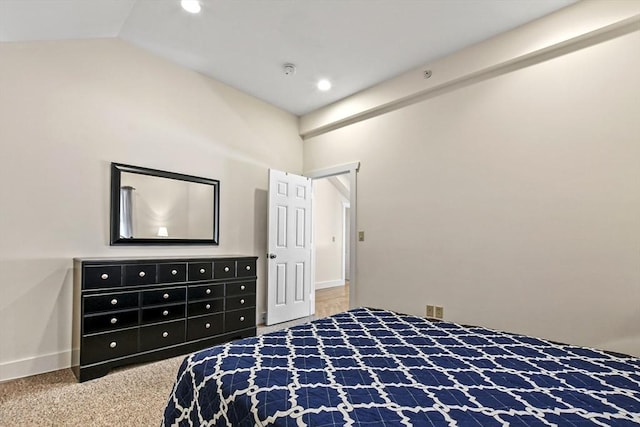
<point x="377" y="368"/>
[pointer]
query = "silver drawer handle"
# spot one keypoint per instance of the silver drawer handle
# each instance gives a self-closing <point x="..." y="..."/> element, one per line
<point x="104" y="276"/>
<point x="165" y="313"/>
<point x="113" y="344"/>
<point x="174" y="272"/>
<point x="208" y="291"/>
<point x="165" y="334"/>
<point x="207" y="325"/>
<point x="242" y="288"/>
<point x="242" y="318"/>
<point x="165" y="296"/>
<point x="241" y="301"/>
<point x="202" y="270"/>
<point x="208" y="306"/>
<point x="248" y="267"/>
<point x="226" y="269"/>
<point x="142" y="274"/>
<point x="114" y="320"/>
<point x="114" y="301"/>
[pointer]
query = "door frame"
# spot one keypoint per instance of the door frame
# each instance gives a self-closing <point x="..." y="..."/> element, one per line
<point x="345" y="206"/>
<point x="351" y="169"/>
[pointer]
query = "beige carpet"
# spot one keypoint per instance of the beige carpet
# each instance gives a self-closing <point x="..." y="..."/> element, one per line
<point x="131" y="396"/>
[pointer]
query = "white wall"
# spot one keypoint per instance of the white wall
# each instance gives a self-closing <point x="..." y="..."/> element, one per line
<point x="327" y="223"/>
<point x="68" y="109"/>
<point x="513" y="202"/>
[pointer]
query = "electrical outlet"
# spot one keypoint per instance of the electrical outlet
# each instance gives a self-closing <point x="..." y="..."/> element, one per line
<point x="430" y="311"/>
<point x="439" y="312"/>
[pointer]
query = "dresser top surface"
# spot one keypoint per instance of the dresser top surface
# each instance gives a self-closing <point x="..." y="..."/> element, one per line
<point x="162" y="258"/>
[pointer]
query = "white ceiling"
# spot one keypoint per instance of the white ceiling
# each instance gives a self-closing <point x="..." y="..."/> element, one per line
<point x="245" y="43"/>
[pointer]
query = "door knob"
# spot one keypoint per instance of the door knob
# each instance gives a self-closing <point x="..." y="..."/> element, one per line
<point x="272" y="256"/>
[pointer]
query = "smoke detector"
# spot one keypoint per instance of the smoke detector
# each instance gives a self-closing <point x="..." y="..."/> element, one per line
<point x="289" y="69"/>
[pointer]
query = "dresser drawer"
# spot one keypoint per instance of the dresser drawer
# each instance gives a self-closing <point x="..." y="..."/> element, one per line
<point x="205" y="307"/>
<point x="239" y="319"/>
<point x="200" y="271"/>
<point x="246" y="268"/>
<point x="110" y="321"/>
<point x="109" y="302"/>
<point x="110" y="345"/>
<point x="163" y="296"/>
<point x="242" y="288"/>
<point x="224" y="269"/>
<point x="162" y="313"/>
<point x="240" y="301"/>
<point x="169" y="273"/>
<point x="140" y="274"/>
<point x="205" y="326"/>
<point x="106" y="276"/>
<point x="162" y="335"/>
<point x="207" y="291"/>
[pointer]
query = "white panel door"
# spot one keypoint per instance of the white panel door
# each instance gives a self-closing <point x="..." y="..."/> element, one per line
<point x="289" y="247"/>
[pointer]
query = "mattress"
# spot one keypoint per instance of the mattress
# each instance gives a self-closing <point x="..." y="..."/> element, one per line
<point x="369" y="367"/>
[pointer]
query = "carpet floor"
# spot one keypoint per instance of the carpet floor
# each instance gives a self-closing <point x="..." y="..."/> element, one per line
<point x="131" y="396"/>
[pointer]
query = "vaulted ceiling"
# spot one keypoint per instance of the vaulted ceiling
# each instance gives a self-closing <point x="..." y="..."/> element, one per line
<point x="245" y="43"/>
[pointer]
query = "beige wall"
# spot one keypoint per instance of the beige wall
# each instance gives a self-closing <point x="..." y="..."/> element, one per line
<point x="327" y="233"/>
<point x="513" y="202"/>
<point x="68" y="109"/>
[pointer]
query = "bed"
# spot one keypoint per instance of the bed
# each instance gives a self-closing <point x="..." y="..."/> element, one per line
<point x="369" y="367"/>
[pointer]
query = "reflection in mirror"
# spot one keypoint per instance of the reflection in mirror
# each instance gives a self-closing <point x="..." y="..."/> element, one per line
<point x="160" y="207"/>
<point x="126" y="214"/>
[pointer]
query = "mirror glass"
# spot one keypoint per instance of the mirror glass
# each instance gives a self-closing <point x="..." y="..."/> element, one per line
<point x="150" y="206"/>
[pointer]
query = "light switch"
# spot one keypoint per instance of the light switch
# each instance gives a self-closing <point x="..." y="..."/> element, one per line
<point x="361" y="236"/>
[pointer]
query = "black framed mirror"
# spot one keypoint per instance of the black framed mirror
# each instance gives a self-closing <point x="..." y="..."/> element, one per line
<point x="154" y="207"/>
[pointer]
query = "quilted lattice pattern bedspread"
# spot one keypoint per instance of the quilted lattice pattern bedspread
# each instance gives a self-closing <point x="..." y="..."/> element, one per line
<point x="378" y="368"/>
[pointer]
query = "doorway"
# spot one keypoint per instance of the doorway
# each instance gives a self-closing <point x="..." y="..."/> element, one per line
<point x="290" y="284"/>
<point x="331" y="244"/>
<point x="348" y="173"/>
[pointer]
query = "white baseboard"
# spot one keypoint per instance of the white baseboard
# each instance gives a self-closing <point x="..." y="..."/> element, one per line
<point x="34" y="365"/>
<point x="329" y="284"/>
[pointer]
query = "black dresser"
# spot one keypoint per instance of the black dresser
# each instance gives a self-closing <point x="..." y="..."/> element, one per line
<point x="144" y="309"/>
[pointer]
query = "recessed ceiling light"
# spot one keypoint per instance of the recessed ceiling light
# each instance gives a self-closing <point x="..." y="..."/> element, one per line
<point x="191" y="6"/>
<point x="324" y="85"/>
